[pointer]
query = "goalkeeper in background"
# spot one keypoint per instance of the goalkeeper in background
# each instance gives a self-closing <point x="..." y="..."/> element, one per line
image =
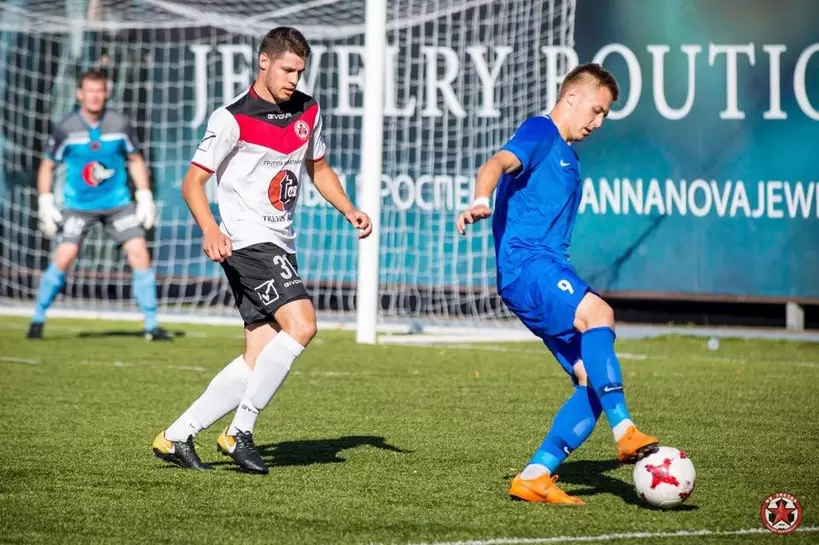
<point x="97" y="145"/>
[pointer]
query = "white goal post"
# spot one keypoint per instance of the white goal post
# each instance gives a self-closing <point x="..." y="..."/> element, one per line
<point x="447" y="82"/>
<point x="372" y="139"/>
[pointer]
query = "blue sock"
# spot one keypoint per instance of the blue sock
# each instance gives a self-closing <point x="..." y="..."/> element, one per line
<point x="603" y="370"/>
<point x="50" y="285"/>
<point x="572" y="425"/>
<point x="144" y="288"/>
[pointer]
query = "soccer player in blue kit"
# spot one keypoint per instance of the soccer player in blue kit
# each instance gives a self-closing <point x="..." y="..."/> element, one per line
<point x="538" y="182"/>
<point x="99" y="148"/>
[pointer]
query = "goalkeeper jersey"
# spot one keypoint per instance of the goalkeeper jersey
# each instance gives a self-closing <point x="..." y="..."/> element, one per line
<point x="257" y="151"/>
<point x="95" y="156"/>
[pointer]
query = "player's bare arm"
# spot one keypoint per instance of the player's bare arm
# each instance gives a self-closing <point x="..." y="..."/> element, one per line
<point x="503" y="162"/>
<point x="146" y="209"/>
<point x="138" y="171"/>
<point x="45" y="176"/>
<point x="328" y="184"/>
<point x="216" y="245"/>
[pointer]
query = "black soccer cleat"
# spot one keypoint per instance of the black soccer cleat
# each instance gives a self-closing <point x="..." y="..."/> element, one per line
<point x="241" y="448"/>
<point x="158" y="334"/>
<point x="35" y="330"/>
<point x="181" y="453"/>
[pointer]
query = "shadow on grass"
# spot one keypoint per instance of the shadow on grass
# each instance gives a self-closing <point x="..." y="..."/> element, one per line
<point x="307" y="452"/>
<point x="122" y="333"/>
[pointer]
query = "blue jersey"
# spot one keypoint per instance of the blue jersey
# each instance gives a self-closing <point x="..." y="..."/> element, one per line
<point x="536" y="207"/>
<point x="96" y="159"/>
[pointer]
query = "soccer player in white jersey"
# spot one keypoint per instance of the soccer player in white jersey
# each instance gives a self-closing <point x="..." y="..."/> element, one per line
<point x="262" y="147"/>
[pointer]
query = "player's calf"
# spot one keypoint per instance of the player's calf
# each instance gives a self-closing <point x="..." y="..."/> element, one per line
<point x="595" y="319"/>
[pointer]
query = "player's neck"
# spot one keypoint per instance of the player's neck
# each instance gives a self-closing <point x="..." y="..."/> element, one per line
<point x="558" y="118"/>
<point x="262" y="92"/>
<point x="91" y="117"/>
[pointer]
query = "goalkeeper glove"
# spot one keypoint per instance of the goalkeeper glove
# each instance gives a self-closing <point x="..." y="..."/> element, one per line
<point x="145" y="208"/>
<point x="48" y="214"/>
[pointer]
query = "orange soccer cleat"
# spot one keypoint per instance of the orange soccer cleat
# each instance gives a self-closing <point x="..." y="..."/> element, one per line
<point x="541" y="490"/>
<point x="634" y="445"/>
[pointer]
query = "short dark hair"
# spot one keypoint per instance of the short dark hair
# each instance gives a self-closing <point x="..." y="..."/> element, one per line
<point x="283" y="40"/>
<point x="603" y="77"/>
<point x="91" y="75"/>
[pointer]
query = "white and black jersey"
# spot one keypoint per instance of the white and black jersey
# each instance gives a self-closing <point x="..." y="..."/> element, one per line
<point x="258" y="152"/>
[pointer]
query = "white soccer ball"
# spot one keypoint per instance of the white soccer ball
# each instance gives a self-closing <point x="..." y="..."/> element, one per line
<point x="665" y="478"/>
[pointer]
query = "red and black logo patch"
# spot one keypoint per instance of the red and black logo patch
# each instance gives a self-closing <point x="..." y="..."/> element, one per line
<point x="283" y="190"/>
<point x="781" y="513"/>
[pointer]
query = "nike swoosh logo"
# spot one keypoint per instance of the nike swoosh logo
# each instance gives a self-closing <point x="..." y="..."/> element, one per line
<point x="612" y="388"/>
<point x="563" y="163"/>
<point x="567" y="451"/>
<point x="229" y="444"/>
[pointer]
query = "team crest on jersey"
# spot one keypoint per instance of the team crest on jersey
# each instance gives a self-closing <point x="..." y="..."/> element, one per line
<point x="95" y="173"/>
<point x="283" y="190"/>
<point x="94" y="145"/>
<point x="302" y="129"/>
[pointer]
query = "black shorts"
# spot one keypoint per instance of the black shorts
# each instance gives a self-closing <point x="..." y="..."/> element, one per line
<point x="263" y="278"/>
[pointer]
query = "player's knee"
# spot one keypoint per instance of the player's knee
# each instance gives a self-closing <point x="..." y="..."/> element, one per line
<point x="603" y="316"/>
<point x="593" y="312"/>
<point x="298" y="319"/>
<point x="65" y="255"/>
<point x="137" y="253"/>
<point x="302" y="329"/>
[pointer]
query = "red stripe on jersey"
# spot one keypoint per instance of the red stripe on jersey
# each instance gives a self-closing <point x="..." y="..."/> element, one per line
<point x="203" y="167"/>
<point x="284" y="140"/>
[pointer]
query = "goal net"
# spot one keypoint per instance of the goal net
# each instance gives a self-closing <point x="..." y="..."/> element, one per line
<point x="460" y="76"/>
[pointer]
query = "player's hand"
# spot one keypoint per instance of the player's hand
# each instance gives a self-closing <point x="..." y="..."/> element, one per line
<point x="145" y="208"/>
<point x="360" y="221"/>
<point x="476" y="213"/>
<point x="217" y="245"/>
<point x="47" y="214"/>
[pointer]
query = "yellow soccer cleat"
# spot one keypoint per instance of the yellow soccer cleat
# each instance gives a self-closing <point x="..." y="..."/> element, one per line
<point x="181" y="453"/>
<point x="240" y="447"/>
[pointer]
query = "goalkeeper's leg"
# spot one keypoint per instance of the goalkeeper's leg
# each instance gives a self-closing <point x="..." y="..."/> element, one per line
<point x="143" y="285"/>
<point x="51" y="283"/>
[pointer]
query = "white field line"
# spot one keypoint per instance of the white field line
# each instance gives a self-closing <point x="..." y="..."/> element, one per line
<point x="621" y="355"/>
<point x="12" y="359"/>
<point x="188" y="368"/>
<point x="611" y="537"/>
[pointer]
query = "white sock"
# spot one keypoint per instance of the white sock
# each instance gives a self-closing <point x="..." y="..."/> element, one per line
<point x="621" y="428"/>
<point x="533" y="471"/>
<point x="221" y="396"/>
<point x="272" y="367"/>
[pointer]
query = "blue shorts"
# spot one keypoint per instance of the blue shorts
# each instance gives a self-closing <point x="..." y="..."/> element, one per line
<point x="545" y="297"/>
